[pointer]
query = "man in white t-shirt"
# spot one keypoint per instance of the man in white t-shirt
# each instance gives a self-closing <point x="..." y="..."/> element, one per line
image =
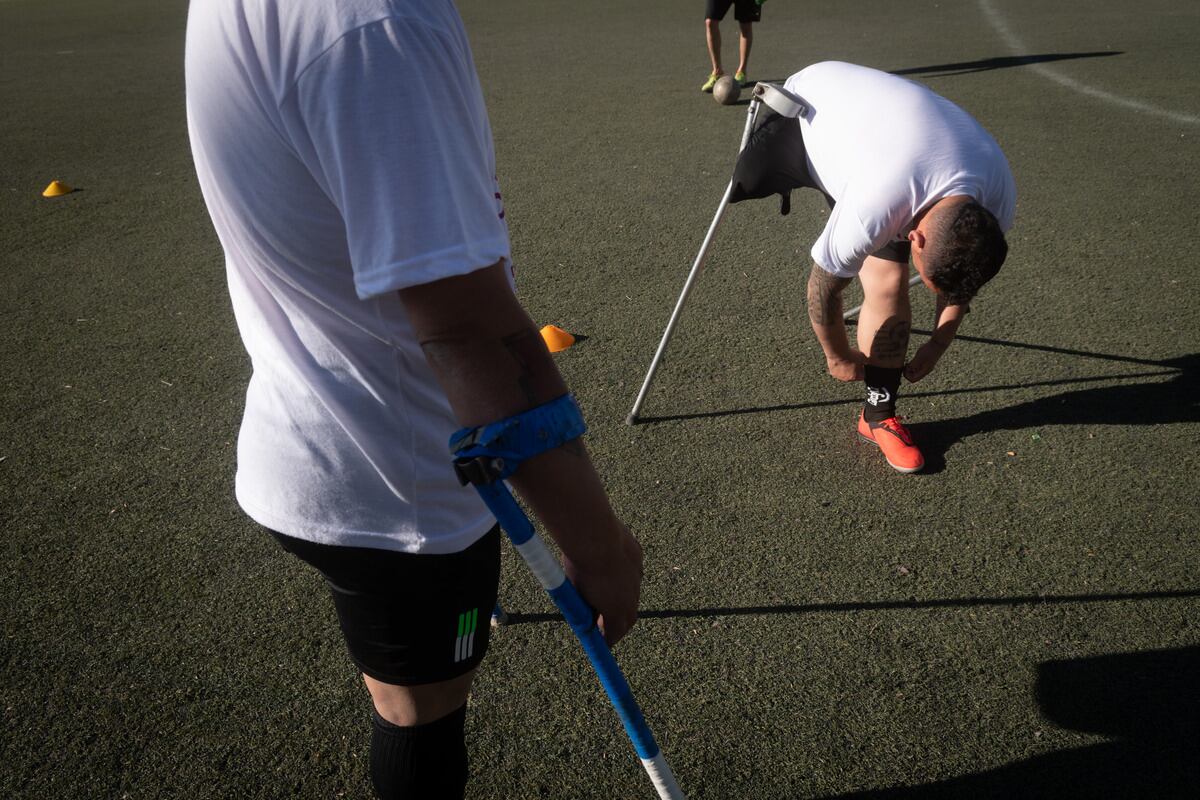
<point x="907" y="174"/>
<point x="345" y="155"/>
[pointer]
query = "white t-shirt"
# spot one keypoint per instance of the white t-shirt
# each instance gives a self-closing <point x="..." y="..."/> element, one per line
<point x="885" y="148"/>
<point x="344" y="152"/>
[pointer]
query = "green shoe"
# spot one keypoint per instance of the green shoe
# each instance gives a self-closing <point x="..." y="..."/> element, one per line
<point x="708" y="84"/>
<point x="740" y="77"/>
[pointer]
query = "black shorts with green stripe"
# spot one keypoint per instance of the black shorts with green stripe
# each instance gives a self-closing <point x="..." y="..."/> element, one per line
<point x="410" y="619"/>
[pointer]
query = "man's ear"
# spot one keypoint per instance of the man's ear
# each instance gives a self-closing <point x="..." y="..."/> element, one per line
<point x="917" y="238"/>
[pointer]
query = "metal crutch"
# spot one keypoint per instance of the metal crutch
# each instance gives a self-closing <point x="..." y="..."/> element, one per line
<point x="782" y="102"/>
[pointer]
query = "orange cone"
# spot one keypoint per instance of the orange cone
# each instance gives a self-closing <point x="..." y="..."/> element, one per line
<point x="556" y="338"/>
<point x="56" y="189"/>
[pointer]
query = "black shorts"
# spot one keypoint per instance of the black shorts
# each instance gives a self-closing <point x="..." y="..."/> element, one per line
<point x="895" y="251"/>
<point x="743" y="10"/>
<point x="410" y="619"/>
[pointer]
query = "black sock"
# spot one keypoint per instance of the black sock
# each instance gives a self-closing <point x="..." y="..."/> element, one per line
<point x="883" y="384"/>
<point x="421" y="762"/>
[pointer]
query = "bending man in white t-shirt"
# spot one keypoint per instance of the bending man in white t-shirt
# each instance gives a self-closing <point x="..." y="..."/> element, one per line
<point x="346" y="159"/>
<point x="907" y="173"/>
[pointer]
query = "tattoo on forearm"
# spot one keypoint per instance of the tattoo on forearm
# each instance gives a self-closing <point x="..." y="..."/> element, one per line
<point x="825" y="296"/>
<point x="518" y="346"/>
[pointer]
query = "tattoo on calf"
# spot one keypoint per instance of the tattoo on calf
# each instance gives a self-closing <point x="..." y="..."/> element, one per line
<point x="891" y="341"/>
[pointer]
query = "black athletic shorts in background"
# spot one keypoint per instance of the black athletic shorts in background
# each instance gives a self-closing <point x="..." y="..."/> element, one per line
<point x="743" y="10"/>
<point x="410" y="619"/>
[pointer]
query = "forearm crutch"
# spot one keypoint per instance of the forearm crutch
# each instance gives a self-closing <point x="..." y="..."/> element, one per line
<point x="782" y="102"/>
<point x="484" y="457"/>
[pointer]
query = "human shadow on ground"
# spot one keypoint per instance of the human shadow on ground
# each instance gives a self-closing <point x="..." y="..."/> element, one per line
<point x="963" y="67"/>
<point x="906" y="392"/>
<point x="518" y="618"/>
<point x="1152" y="402"/>
<point x="999" y="62"/>
<point x="1149" y="704"/>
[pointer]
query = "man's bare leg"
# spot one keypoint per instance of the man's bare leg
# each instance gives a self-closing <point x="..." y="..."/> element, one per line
<point x="712" y="30"/>
<point x="886" y="316"/>
<point x="745" y="40"/>
<point x="418" y="705"/>
<point x="883" y="328"/>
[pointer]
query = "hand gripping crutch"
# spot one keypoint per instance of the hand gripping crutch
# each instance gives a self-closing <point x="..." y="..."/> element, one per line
<point x="484" y="457"/>
<point x="782" y="102"/>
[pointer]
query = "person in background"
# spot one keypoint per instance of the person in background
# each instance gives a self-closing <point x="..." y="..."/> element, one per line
<point x="746" y="12"/>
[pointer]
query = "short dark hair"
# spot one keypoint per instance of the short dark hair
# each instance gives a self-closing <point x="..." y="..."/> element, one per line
<point x="967" y="249"/>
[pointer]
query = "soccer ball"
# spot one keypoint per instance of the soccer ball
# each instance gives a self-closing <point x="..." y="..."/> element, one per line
<point x="726" y="90"/>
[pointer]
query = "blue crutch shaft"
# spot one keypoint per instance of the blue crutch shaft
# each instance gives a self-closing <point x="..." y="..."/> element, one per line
<point x="484" y="456"/>
<point x="582" y="620"/>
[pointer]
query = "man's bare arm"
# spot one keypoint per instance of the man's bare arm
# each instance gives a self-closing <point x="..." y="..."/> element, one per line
<point x="946" y="319"/>
<point x="825" y="298"/>
<point x="825" y="314"/>
<point x="492" y="363"/>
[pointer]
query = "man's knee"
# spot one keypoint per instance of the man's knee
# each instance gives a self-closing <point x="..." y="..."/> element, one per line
<point x="419" y="704"/>
<point x="418" y="748"/>
<point x="712" y="25"/>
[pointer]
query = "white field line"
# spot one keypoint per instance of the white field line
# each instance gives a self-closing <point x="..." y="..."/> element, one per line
<point x="996" y="20"/>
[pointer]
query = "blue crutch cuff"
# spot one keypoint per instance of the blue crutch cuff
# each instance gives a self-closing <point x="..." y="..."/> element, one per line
<point x="493" y="452"/>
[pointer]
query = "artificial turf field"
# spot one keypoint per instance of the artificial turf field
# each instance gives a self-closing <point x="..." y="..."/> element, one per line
<point x="1017" y="622"/>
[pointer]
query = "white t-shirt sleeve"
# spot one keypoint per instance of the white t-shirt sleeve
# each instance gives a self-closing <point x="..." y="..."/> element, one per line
<point x="399" y="132"/>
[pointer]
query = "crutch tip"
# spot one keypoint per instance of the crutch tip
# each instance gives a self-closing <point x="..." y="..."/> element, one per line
<point x="631" y="419"/>
<point x="499" y="617"/>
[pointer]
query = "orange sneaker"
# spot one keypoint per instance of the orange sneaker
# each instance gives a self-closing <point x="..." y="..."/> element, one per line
<point x="895" y="441"/>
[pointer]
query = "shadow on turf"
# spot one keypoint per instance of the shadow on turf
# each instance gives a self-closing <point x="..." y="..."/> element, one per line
<point x="1153" y="402"/>
<point x="968" y="67"/>
<point x="1000" y="62"/>
<point x="1147" y="702"/>
<point x="516" y="618"/>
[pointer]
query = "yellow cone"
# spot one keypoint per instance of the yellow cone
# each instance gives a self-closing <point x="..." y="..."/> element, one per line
<point x="57" y="188"/>
<point x="556" y="338"/>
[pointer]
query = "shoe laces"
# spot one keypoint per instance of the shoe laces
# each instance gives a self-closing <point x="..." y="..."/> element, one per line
<point x="894" y="426"/>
